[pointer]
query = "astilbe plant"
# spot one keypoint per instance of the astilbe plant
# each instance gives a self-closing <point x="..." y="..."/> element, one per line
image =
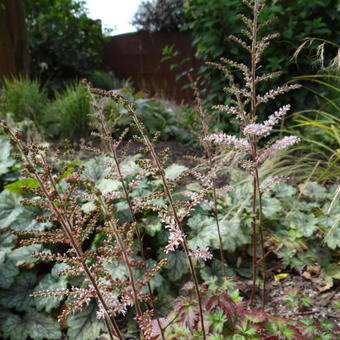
<point x="210" y="165"/>
<point x="104" y="127"/>
<point x="175" y="212"/>
<point x="61" y="196"/>
<point x="245" y="104"/>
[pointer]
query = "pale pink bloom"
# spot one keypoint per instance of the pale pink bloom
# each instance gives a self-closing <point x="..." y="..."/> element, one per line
<point x="231" y="109"/>
<point x="256" y="129"/>
<point x="226" y="188"/>
<point x="240" y="144"/>
<point x="273" y="181"/>
<point x="201" y="253"/>
<point x="277" y="147"/>
<point x="271" y="94"/>
<point x="176" y="237"/>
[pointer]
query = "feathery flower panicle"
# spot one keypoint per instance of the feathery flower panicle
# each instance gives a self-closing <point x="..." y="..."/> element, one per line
<point x="276" y="148"/>
<point x="145" y="324"/>
<point x="273" y="181"/>
<point x="256" y="129"/>
<point x="231" y="109"/>
<point x="176" y="236"/>
<point x="225" y="189"/>
<point x="240" y="144"/>
<point x="201" y="253"/>
<point x="271" y="94"/>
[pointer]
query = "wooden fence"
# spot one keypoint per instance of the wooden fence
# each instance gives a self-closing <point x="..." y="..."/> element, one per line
<point x="138" y="56"/>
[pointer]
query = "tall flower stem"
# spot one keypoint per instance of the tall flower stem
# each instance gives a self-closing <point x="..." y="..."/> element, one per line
<point x="257" y="215"/>
<point x="113" y="149"/>
<point x="263" y="258"/>
<point x="173" y="208"/>
<point x="209" y="154"/>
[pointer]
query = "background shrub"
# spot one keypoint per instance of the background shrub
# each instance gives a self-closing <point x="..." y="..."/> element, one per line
<point x="106" y="80"/>
<point x="70" y="110"/>
<point x="64" y="43"/>
<point x="24" y="98"/>
<point x="159" y="15"/>
<point x="211" y="22"/>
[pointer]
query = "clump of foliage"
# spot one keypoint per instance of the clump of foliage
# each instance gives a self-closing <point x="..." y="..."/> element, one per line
<point x="228" y="318"/>
<point x="24" y="98"/>
<point x="64" y="43"/>
<point x="159" y="16"/>
<point x="106" y="80"/>
<point x="212" y="21"/>
<point x="70" y="111"/>
<point x="318" y="127"/>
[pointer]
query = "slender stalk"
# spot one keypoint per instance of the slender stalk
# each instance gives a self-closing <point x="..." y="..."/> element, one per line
<point x="113" y="150"/>
<point x="261" y="239"/>
<point x="218" y="228"/>
<point x="208" y="151"/>
<point x="257" y="210"/>
<point x="125" y="256"/>
<point x="174" y="211"/>
<point x="254" y="246"/>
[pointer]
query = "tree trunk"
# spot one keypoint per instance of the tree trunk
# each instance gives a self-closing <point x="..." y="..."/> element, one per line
<point x="14" y="58"/>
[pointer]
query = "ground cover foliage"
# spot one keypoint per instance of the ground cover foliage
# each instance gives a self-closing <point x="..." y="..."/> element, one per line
<point x="26" y="101"/>
<point x="103" y="244"/>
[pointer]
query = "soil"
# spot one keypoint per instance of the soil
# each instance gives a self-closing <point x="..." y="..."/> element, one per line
<point x="321" y="303"/>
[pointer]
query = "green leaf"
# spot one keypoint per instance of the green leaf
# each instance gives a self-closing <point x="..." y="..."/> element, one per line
<point x="88" y="207"/>
<point x="18" y="296"/>
<point x="271" y="207"/>
<point x="283" y="190"/>
<point x="22" y="255"/>
<point x="26" y="219"/>
<point x="10" y="208"/>
<point x="313" y="190"/>
<point x="332" y="238"/>
<point x="116" y="269"/>
<point x="152" y="225"/>
<point x="7" y="240"/>
<point x="129" y="167"/>
<point x="95" y="169"/>
<point x="85" y="325"/>
<point x="231" y="233"/>
<point x="108" y="185"/>
<point x="6" y="161"/>
<point x="33" y="325"/>
<point x="17" y="187"/>
<point x="123" y="212"/>
<point x="177" y="265"/>
<point x="174" y="170"/>
<point x="204" y="233"/>
<point x="8" y="271"/>
<point x="215" y="269"/>
<point x="303" y="223"/>
<point x="49" y="282"/>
